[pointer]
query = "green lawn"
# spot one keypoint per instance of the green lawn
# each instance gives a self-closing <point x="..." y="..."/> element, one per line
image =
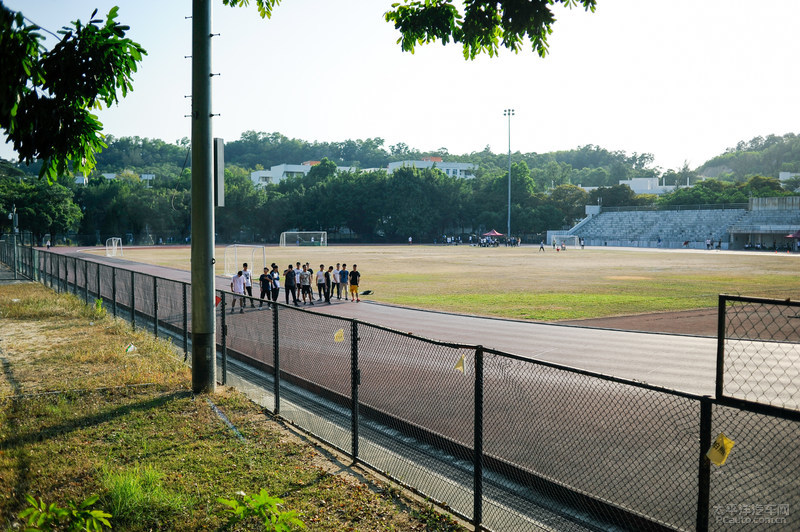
<point x="527" y="284"/>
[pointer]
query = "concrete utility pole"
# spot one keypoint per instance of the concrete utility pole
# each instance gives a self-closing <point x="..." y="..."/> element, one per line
<point x="203" y="309"/>
<point x="509" y="113"/>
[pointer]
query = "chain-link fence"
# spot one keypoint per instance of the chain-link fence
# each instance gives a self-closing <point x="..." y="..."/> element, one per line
<point x="503" y="441"/>
<point x="759" y="351"/>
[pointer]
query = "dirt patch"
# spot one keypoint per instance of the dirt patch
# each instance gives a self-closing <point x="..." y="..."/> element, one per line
<point x="628" y="278"/>
<point x="701" y="322"/>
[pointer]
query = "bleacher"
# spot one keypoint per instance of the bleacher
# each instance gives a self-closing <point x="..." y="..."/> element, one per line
<point x="674" y="228"/>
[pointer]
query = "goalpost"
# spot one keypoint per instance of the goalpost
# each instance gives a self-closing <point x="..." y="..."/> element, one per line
<point x="237" y="254"/>
<point x="570" y="241"/>
<point x="304" y="238"/>
<point x="114" y="247"/>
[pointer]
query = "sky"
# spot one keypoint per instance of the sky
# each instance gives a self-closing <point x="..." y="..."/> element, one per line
<point x="680" y="79"/>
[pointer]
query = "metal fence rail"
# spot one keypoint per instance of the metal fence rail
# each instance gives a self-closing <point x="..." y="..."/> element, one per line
<point x="503" y="441"/>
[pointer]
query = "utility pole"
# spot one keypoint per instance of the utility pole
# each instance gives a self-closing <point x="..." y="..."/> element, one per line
<point x="204" y="348"/>
<point x="509" y="113"/>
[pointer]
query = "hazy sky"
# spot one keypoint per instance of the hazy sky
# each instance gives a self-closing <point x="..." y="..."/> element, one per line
<point x="681" y="79"/>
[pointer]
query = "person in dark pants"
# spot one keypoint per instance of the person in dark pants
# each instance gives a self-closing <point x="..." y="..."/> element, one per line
<point x="276" y="284"/>
<point x="290" y="285"/>
<point x="248" y="283"/>
<point x="328" y="284"/>
<point x="265" y="281"/>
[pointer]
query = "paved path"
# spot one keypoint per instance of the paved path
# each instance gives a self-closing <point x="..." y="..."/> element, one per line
<point x="678" y="362"/>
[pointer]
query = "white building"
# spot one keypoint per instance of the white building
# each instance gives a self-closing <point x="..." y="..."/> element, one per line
<point x="278" y="173"/>
<point x="646" y="185"/>
<point x="784" y="176"/>
<point x="462" y="170"/>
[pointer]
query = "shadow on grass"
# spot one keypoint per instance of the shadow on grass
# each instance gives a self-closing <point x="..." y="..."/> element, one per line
<point x="15" y="444"/>
<point x="44" y="433"/>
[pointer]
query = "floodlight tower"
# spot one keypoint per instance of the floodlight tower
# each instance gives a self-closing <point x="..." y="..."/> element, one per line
<point x="509" y="113"/>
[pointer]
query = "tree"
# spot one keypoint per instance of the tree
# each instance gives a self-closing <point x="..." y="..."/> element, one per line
<point x="42" y="207"/>
<point x="478" y="30"/>
<point x="47" y="95"/>
<point x="483" y="24"/>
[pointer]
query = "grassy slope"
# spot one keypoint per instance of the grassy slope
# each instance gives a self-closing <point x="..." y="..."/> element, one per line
<point x="126" y="426"/>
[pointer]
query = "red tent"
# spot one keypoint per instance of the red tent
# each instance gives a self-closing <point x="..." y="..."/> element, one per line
<point x="796" y="234"/>
<point x="492" y="233"/>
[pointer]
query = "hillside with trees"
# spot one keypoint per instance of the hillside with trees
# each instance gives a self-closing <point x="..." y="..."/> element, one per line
<point x="362" y="204"/>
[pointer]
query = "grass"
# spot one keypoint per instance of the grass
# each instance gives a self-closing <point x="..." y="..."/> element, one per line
<point x="80" y="416"/>
<point x="526" y="284"/>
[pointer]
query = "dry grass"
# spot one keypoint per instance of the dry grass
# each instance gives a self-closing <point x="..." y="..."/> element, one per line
<point x="528" y="284"/>
<point x="74" y="421"/>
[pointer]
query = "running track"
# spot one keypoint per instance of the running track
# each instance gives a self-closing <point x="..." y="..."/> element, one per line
<point x="677" y="362"/>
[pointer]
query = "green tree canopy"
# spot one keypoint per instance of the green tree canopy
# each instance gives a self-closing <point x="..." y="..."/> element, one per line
<point x="47" y="96"/>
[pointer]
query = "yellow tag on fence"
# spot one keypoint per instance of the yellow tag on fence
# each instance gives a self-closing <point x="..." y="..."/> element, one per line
<point x="720" y="450"/>
<point x="339" y="336"/>
<point x="460" y="364"/>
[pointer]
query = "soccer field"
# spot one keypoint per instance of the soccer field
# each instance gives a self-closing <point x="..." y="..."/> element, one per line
<point x="525" y="283"/>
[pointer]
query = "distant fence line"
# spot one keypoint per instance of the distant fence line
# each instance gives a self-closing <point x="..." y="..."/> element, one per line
<point x="699" y="207"/>
<point x="503" y="441"/>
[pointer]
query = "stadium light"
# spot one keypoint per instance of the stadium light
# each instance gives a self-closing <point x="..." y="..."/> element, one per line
<point x="509" y="113"/>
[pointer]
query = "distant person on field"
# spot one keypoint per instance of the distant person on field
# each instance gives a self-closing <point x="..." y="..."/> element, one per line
<point x="541" y="245"/>
<point x="355" y="278"/>
<point x="344" y="279"/>
<point x="237" y="287"/>
<point x="409" y="240"/>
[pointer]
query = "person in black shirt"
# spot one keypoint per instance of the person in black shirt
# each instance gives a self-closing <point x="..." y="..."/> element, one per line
<point x="355" y="278"/>
<point x="290" y="285"/>
<point x="265" y="280"/>
<point x="328" y="281"/>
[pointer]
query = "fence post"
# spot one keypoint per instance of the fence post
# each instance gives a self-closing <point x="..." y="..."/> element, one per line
<point x="114" y="290"/>
<point x="355" y="381"/>
<point x="704" y="465"/>
<point x="155" y="306"/>
<point x="58" y="275"/>
<point x="74" y="276"/>
<point x="133" y="299"/>
<point x="223" y="303"/>
<point x="99" y="291"/>
<point x="86" y="281"/>
<point x="276" y="359"/>
<point x="477" y="507"/>
<point x="722" y="306"/>
<point x="185" y="324"/>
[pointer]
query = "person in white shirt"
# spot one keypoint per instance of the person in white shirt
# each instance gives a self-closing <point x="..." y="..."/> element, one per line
<point x="237" y="287"/>
<point x="336" y="283"/>
<point x="321" y="283"/>
<point x="248" y="283"/>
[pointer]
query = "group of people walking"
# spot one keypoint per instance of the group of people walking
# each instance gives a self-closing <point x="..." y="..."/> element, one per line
<point x="298" y="283"/>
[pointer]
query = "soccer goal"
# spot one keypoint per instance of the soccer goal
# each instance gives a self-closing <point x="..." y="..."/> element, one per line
<point x="238" y="254"/>
<point x="570" y="241"/>
<point x="114" y="247"/>
<point x="304" y="238"/>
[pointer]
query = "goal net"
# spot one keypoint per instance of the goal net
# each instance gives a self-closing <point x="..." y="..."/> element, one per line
<point x="304" y="238"/>
<point x="569" y="241"/>
<point x="114" y="247"/>
<point x="237" y="254"/>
